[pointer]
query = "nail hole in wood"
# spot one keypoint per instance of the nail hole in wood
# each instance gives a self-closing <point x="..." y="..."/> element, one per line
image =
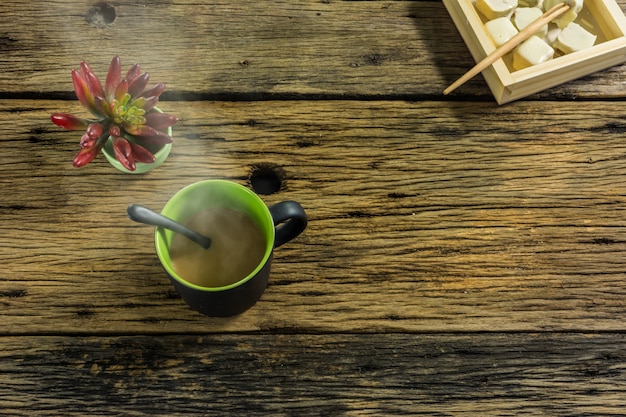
<point x="101" y="15"/>
<point x="266" y="178"/>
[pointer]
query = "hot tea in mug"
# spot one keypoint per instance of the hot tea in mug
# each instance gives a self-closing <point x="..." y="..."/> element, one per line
<point x="237" y="247"/>
<point x="231" y="275"/>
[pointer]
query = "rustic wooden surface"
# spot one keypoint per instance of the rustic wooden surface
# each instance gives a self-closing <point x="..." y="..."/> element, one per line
<point x="462" y="258"/>
<point x="315" y="375"/>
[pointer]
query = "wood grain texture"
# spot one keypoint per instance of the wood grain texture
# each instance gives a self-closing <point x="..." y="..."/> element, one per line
<point x="423" y="217"/>
<point x="253" y="49"/>
<point x="462" y="258"/>
<point x="315" y="375"/>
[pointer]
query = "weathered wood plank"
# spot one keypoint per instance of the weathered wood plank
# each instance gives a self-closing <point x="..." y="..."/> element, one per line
<point x="252" y="49"/>
<point x="315" y="375"/>
<point x="423" y="217"/>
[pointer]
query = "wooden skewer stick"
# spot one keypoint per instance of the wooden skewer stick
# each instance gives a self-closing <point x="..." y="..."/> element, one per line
<point x="526" y="33"/>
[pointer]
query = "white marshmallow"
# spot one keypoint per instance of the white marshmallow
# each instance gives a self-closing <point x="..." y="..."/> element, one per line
<point x="492" y="9"/>
<point x="574" y="38"/>
<point x="532" y="51"/>
<point x="524" y="16"/>
<point x="500" y="30"/>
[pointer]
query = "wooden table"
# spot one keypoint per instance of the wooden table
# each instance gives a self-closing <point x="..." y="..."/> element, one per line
<point x="462" y="258"/>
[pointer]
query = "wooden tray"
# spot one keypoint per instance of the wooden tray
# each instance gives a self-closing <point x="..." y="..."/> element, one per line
<point x="506" y="84"/>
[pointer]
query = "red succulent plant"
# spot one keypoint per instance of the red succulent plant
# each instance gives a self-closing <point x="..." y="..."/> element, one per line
<point x="125" y="114"/>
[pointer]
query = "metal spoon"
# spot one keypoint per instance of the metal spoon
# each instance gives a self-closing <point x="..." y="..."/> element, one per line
<point x="144" y="215"/>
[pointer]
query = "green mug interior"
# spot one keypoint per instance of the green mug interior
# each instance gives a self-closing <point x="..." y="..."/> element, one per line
<point x="207" y="194"/>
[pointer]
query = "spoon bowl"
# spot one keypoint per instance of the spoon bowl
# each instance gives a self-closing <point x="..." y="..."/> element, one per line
<point x="144" y="215"/>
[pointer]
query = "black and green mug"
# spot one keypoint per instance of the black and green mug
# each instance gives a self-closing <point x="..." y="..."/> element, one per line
<point x="277" y="224"/>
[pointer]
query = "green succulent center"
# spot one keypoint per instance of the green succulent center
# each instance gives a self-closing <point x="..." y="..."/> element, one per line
<point x="126" y="112"/>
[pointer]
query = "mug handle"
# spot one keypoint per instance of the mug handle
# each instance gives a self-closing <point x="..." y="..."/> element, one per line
<point x="293" y="219"/>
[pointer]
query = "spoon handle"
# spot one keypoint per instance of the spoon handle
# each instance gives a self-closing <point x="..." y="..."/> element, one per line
<point x="144" y="215"/>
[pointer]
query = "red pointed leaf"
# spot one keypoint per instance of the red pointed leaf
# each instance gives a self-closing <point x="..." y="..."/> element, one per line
<point x="136" y="86"/>
<point x="115" y="131"/>
<point x="102" y="105"/>
<point x="133" y="72"/>
<point x="82" y="93"/>
<point x="121" y="90"/>
<point x="160" y="121"/>
<point x="94" y="130"/>
<point x="148" y="135"/>
<point x="113" y="78"/>
<point x="151" y="101"/>
<point x="84" y="69"/>
<point x="87" y="141"/>
<point x="155" y="90"/>
<point x="95" y="87"/>
<point x="124" y="153"/>
<point x="69" y="121"/>
<point x="85" y="156"/>
<point x="141" y="154"/>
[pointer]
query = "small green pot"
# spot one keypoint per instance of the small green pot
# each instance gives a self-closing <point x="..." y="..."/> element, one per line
<point x="141" y="168"/>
